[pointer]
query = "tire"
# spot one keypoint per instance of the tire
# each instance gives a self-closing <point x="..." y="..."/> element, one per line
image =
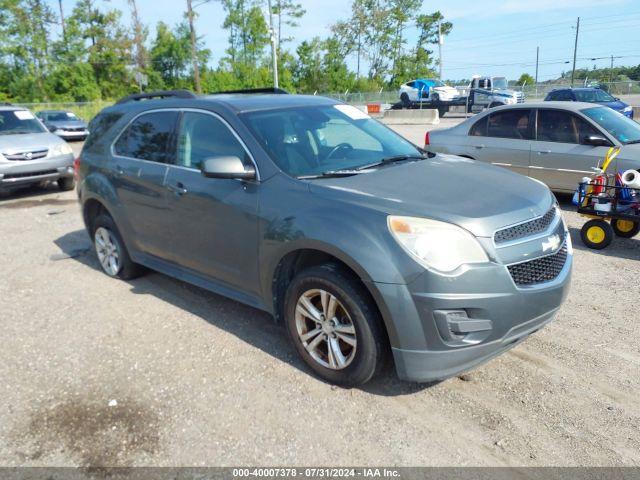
<point x="596" y="234"/>
<point x="404" y="98"/>
<point x="357" y="320"/>
<point x="66" y="183"/>
<point x="625" y="228"/>
<point x="105" y="235"/>
<point x="442" y="111"/>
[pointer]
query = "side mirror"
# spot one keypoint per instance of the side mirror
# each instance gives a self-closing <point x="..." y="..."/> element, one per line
<point x="229" y="166"/>
<point x="596" y="141"/>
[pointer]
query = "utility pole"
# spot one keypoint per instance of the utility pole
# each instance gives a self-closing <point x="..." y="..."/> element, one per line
<point x="194" y="52"/>
<point x="440" y="42"/>
<point x="274" y="47"/>
<point x="575" y="51"/>
<point x="64" y="33"/>
<point x="537" y="62"/>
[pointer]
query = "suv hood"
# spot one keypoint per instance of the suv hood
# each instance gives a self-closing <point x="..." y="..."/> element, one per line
<point x="618" y="105"/>
<point x="28" y="142"/>
<point x="67" y="124"/>
<point x="476" y="196"/>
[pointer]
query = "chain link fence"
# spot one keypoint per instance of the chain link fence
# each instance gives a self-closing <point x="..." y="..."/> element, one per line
<point x="625" y="90"/>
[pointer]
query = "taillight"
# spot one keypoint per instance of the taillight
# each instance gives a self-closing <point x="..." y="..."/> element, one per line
<point x="76" y="167"/>
<point x="426" y="139"/>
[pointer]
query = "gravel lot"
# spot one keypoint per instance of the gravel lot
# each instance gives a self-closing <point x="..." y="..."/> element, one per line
<point x="156" y="372"/>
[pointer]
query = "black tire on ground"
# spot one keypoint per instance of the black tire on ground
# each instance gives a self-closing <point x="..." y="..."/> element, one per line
<point x="66" y="183"/>
<point x="128" y="269"/>
<point x="404" y="98"/>
<point x="442" y="111"/>
<point x="625" y="228"/>
<point x="596" y="234"/>
<point x="371" y="348"/>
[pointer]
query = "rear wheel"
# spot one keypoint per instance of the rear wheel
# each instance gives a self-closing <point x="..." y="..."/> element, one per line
<point x="625" y="228"/>
<point x="596" y="234"/>
<point x="334" y="325"/>
<point x="404" y="98"/>
<point x="111" y="250"/>
<point x="66" y="183"/>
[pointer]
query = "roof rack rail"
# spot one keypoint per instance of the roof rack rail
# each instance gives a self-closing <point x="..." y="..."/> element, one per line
<point x="278" y="91"/>
<point x="158" y="94"/>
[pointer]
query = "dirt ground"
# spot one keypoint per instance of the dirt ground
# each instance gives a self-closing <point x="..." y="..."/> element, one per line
<point x="96" y="371"/>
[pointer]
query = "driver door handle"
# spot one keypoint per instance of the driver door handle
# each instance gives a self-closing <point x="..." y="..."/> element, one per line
<point x="178" y="189"/>
<point x="544" y="152"/>
<point x="478" y="146"/>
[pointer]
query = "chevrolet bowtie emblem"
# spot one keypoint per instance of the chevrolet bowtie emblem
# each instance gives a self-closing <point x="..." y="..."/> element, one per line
<point x="552" y="243"/>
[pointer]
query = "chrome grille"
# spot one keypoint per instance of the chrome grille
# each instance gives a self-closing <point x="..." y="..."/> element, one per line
<point x="26" y="156"/>
<point x="540" y="270"/>
<point x="527" y="229"/>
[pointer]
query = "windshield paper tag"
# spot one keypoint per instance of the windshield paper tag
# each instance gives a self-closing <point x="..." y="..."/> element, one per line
<point x="352" y="112"/>
<point x="23" y="115"/>
<point x="71" y="115"/>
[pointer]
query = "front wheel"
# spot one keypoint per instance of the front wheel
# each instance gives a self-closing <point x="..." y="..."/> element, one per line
<point x="334" y="325"/>
<point x="66" y="183"/>
<point x="625" y="228"/>
<point x="596" y="234"/>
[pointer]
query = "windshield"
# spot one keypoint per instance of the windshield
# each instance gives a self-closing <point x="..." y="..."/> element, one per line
<point x="622" y="128"/>
<point x="14" y="122"/>
<point x="437" y="83"/>
<point x="500" y="83"/>
<point x="61" y="116"/>
<point x="305" y="141"/>
<point x="593" y="96"/>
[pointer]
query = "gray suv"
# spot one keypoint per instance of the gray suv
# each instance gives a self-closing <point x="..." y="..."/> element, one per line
<point x="29" y="154"/>
<point x="360" y="242"/>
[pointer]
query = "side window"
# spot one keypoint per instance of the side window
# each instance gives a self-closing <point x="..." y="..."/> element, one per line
<point x="479" y="129"/>
<point x="553" y="96"/>
<point x="202" y="136"/>
<point x="564" y="96"/>
<point x="563" y="127"/>
<point x="510" y="124"/>
<point x="411" y="84"/>
<point x="149" y="137"/>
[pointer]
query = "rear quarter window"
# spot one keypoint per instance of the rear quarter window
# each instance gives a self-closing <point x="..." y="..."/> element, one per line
<point x="99" y="126"/>
<point x="479" y="129"/>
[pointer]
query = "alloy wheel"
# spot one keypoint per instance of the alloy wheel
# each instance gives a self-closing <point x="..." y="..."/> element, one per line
<point x="325" y="329"/>
<point x="107" y="250"/>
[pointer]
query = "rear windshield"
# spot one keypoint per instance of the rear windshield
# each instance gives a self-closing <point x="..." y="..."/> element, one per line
<point x="16" y="122"/>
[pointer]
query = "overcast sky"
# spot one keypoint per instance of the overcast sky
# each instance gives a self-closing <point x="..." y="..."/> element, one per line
<point x="489" y="36"/>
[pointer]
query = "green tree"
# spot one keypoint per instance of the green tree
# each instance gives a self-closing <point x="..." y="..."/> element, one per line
<point x="288" y="13"/>
<point x="525" y="78"/>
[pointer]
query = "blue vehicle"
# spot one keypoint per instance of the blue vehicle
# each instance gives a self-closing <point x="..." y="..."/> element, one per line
<point x="590" y="95"/>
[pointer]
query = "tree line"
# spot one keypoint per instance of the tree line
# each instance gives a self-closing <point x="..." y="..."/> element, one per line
<point x="91" y="53"/>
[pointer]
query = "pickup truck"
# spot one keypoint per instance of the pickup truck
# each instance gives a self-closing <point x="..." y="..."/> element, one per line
<point x="489" y="92"/>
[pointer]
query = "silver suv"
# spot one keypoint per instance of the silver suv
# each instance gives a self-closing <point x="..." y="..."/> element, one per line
<point x="30" y="154"/>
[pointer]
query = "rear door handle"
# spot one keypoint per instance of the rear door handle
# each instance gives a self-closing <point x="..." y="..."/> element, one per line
<point x="544" y="152"/>
<point x="478" y="146"/>
<point x="178" y="189"/>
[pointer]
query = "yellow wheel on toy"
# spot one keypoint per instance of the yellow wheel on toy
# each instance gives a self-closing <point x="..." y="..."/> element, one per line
<point x="596" y="234"/>
<point x="625" y="228"/>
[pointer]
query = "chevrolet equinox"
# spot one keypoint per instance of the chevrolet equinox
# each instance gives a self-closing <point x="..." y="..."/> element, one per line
<point x="361" y="243"/>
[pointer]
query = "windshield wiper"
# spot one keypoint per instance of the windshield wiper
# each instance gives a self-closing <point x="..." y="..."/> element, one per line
<point x="394" y="159"/>
<point x="632" y="142"/>
<point x="331" y="174"/>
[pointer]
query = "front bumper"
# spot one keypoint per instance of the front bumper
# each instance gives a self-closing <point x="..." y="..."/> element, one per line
<point x="501" y="315"/>
<point x="18" y="173"/>
<point x="72" y="135"/>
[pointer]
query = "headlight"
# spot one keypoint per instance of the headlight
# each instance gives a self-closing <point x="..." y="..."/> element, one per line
<point x="628" y="108"/>
<point x="511" y="100"/>
<point x="60" y="149"/>
<point x="436" y="245"/>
